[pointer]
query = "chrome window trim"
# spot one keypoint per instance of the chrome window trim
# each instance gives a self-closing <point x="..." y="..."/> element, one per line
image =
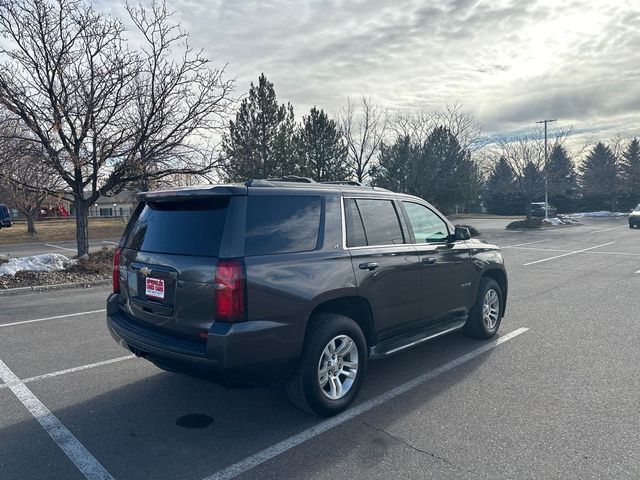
<point x="393" y="245"/>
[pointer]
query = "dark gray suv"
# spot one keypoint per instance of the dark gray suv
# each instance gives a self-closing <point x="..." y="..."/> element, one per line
<point x="280" y="281"/>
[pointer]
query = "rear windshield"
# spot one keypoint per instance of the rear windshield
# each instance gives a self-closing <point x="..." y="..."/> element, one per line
<point x="186" y="227"/>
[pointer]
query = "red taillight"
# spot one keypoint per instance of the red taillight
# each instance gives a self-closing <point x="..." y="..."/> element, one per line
<point x="116" y="270"/>
<point x="231" y="286"/>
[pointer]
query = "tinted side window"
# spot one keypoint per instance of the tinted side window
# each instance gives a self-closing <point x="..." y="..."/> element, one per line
<point x="427" y="226"/>
<point x="355" y="230"/>
<point x="186" y="227"/>
<point x="381" y="224"/>
<point x="282" y="224"/>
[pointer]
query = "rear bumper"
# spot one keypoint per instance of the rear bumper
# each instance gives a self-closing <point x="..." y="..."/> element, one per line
<point x="6" y="223"/>
<point x="251" y="353"/>
<point x="634" y="220"/>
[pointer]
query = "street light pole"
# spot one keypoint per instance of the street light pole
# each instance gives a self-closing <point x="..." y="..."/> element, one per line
<point x="546" y="174"/>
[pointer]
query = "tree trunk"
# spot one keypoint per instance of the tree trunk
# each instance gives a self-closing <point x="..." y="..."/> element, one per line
<point x="82" y="226"/>
<point x="31" y="225"/>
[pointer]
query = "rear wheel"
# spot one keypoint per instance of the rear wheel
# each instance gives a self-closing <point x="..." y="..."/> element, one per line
<point x="486" y="315"/>
<point x="332" y="366"/>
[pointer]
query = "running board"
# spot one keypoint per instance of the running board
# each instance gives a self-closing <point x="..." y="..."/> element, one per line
<point x="412" y="338"/>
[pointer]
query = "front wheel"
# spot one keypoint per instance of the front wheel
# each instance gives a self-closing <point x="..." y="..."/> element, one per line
<point x="332" y="366"/>
<point x="485" y="316"/>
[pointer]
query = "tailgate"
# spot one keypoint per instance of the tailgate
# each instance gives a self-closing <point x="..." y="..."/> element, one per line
<point x="169" y="257"/>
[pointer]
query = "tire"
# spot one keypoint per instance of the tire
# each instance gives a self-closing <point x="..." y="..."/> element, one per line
<point x="478" y="324"/>
<point x="304" y="386"/>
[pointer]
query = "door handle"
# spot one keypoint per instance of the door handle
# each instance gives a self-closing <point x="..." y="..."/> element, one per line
<point x="368" y="266"/>
<point x="429" y="260"/>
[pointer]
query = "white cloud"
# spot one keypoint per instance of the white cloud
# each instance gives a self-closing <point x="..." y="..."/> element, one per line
<point x="509" y="62"/>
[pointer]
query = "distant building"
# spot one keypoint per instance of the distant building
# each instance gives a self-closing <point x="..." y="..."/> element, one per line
<point x="120" y="205"/>
<point x="56" y="206"/>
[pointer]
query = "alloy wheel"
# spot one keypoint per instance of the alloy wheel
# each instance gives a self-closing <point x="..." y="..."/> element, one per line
<point x="338" y="367"/>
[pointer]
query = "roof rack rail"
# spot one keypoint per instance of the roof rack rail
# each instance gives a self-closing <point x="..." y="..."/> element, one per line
<point x="292" y="178"/>
<point x="258" y="182"/>
<point x="344" y="182"/>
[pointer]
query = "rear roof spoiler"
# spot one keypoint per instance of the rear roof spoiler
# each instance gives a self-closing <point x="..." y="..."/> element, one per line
<point x="199" y="191"/>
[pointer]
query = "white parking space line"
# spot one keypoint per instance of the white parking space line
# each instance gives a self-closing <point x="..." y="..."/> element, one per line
<point x="567" y="254"/>
<point x="571" y="251"/>
<point x="608" y="229"/>
<point x="291" y="442"/>
<point x="70" y="445"/>
<point x="617" y="253"/>
<point x="638" y="272"/>
<point x="61" y="248"/>
<point x="542" y="249"/>
<point x="23" y="322"/>
<point x="522" y="244"/>
<point x="73" y="370"/>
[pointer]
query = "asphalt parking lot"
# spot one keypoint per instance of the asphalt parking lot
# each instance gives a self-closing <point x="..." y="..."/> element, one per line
<point x="555" y="396"/>
<point x="65" y="248"/>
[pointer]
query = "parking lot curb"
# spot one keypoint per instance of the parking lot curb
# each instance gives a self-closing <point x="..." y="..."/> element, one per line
<point x="57" y="286"/>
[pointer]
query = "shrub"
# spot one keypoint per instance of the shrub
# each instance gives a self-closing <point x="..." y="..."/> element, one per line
<point x="99" y="263"/>
<point x="525" y="224"/>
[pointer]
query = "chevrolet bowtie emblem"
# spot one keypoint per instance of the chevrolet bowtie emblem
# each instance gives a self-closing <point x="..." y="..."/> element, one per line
<point x="146" y="271"/>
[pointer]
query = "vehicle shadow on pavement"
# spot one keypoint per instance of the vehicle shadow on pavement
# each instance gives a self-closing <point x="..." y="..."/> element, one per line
<point x="138" y="430"/>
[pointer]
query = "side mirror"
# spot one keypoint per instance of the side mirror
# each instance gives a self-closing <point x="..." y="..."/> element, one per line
<point x="462" y="233"/>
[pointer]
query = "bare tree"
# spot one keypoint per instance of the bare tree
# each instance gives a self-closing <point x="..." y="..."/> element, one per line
<point x="363" y="128"/>
<point x="413" y="125"/>
<point x="525" y="156"/>
<point x="24" y="179"/>
<point x="108" y="116"/>
<point x="464" y="126"/>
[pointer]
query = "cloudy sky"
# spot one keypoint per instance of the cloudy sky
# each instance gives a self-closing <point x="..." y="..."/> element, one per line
<point x="509" y="62"/>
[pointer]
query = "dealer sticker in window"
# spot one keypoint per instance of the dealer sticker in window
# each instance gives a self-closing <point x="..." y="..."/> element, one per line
<point x="155" y="288"/>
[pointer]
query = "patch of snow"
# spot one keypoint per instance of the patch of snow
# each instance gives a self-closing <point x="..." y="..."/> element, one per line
<point x="48" y="262"/>
<point x="568" y="221"/>
<point x="601" y="213"/>
<point x="560" y="220"/>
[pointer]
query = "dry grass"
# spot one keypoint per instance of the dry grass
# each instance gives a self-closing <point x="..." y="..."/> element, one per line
<point x="61" y="230"/>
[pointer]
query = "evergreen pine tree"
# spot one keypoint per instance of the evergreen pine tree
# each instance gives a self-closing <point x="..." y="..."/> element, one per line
<point x="630" y="166"/>
<point x="259" y="143"/>
<point x="321" y="152"/>
<point x="395" y="165"/>
<point x="444" y="173"/>
<point x="599" y="178"/>
<point x="500" y="195"/>
<point x="437" y="169"/>
<point x="562" y="179"/>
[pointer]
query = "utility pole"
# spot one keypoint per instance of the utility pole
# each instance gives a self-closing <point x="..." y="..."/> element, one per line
<point x="546" y="174"/>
